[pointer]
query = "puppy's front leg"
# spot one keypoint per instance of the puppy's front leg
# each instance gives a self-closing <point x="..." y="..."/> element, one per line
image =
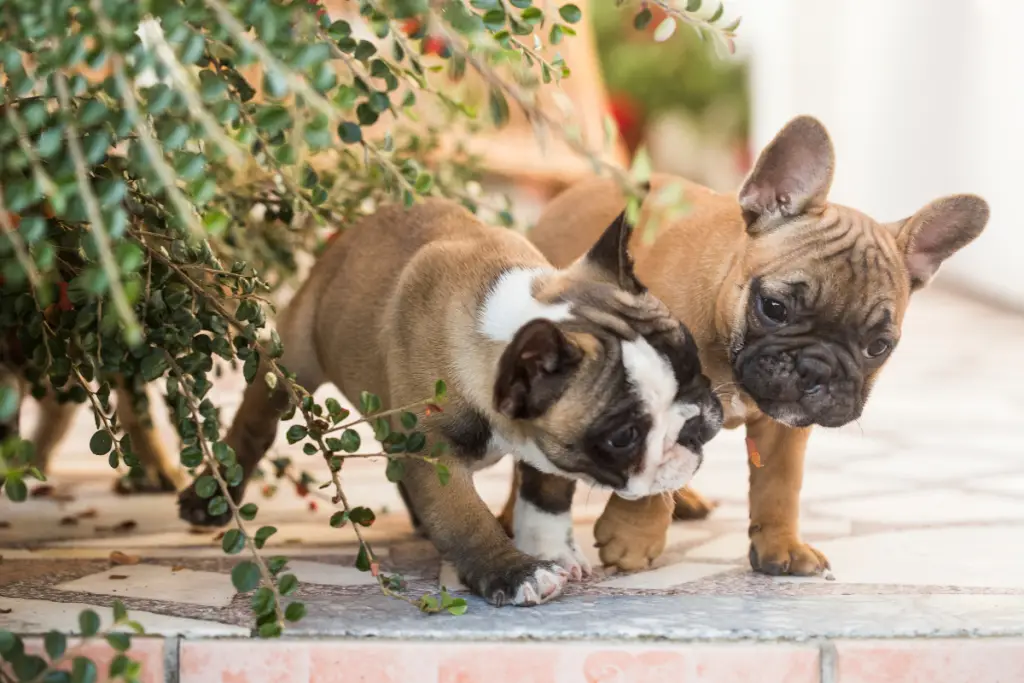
<point x="631" y="533"/>
<point x="467" y="534"/>
<point x="775" y="545"/>
<point x="542" y="520"/>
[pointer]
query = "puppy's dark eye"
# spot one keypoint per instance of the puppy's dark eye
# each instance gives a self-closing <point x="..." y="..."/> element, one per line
<point x="878" y="348"/>
<point x="773" y="309"/>
<point x="624" y="438"/>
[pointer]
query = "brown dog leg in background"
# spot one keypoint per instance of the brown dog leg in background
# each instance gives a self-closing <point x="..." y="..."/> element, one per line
<point x="775" y="545"/>
<point x="690" y="505"/>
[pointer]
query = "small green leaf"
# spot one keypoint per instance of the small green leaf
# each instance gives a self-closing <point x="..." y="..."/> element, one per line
<point x="440" y="391"/>
<point x="693" y="5"/>
<point x="415" y="442"/>
<point x="88" y="623"/>
<point x="642" y="19"/>
<point x="119" y="641"/>
<point x="271" y="629"/>
<point x="368" y="403"/>
<point x="295" y="611"/>
<point x="206" y="486"/>
<point x="570" y="13"/>
<point x="16" y="489"/>
<point x="245" y="576"/>
<point x="395" y="470"/>
<point x="498" y="108"/>
<point x="233" y="542"/>
<point x="443" y="474"/>
<point x="217" y="506"/>
<point x="363" y="558"/>
<point x="641" y="169"/>
<point x="83" y="671"/>
<point x="120" y="611"/>
<point x="409" y="420"/>
<point x="296" y="433"/>
<point x="457" y="607"/>
<point x="287" y="584"/>
<point x="263" y="601"/>
<point x="10" y="400"/>
<point x="338" y="519"/>
<point x="362" y="516"/>
<point x="262" y="534"/>
<point x="350" y="441"/>
<point x="56" y="643"/>
<point x="101" y="442"/>
<point x="248" y="511"/>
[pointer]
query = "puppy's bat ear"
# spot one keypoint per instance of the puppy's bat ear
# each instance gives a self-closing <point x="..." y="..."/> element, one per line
<point x="792" y="175"/>
<point x="610" y="260"/>
<point x="534" y="370"/>
<point x="936" y="232"/>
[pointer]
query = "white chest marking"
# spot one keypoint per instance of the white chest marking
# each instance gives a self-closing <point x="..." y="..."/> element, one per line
<point x="510" y="305"/>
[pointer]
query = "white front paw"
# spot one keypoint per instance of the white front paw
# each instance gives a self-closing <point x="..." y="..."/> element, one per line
<point x="548" y="536"/>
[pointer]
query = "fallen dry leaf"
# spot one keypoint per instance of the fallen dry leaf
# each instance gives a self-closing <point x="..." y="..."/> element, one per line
<point x="5" y="525"/>
<point x="177" y="568"/>
<point x="752" y="454"/>
<point x="126" y="525"/>
<point x="42" y="491"/>
<point x="6" y="611"/>
<point x="87" y="514"/>
<point x="117" y="557"/>
<point x="198" y="530"/>
<point x="118" y="577"/>
<point x="219" y="536"/>
<point x="68" y="521"/>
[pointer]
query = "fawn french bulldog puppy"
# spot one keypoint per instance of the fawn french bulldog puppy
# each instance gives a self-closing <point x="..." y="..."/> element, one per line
<point x="795" y="304"/>
<point x="579" y="373"/>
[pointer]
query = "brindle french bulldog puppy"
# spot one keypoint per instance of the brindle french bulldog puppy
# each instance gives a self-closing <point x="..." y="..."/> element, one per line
<point x="796" y="304"/>
<point x="579" y="373"/>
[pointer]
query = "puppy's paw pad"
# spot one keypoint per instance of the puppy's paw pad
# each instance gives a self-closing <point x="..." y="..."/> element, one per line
<point x="565" y="554"/>
<point x="543" y="585"/>
<point x="531" y="584"/>
<point x="786" y="557"/>
<point x="628" y="547"/>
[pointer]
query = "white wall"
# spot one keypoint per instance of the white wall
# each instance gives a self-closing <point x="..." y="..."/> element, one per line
<point x="922" y="97"/>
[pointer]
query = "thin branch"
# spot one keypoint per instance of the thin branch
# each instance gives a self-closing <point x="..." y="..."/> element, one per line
<point x="225" y="490"/>
<point x="153" y="153"/>
<point x="18" y="244"/>
<point x="92" y="207"/>
<point x="213" y="129"/>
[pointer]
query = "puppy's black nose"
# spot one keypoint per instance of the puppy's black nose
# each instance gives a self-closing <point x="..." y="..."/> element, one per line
<point x="700" y="429"/>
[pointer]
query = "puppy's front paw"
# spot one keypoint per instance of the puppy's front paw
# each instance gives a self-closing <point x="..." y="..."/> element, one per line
<point x="146" y="483"/>
<point x="690" y="505"/>
<point x="194" y="509"/>
<point x="631" y="534"/>
<point x="529" y="583"/>
<point x="782" y="554"/>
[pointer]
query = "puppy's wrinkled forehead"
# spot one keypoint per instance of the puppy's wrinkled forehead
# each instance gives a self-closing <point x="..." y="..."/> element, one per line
<point x="836" y="263"/>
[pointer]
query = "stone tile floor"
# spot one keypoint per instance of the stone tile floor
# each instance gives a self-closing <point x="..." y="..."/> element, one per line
<point x="919" y="506"/>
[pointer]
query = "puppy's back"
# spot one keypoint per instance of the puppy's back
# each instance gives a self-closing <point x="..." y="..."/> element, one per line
<point x="415" y="263"/>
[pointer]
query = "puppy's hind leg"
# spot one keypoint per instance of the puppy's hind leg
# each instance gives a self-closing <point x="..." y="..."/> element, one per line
<point x="255" y="425"/>
<point x="157" y="471"/>
<point x="55" y="420"/>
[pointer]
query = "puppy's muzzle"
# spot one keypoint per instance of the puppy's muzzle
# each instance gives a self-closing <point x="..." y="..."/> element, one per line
<point x="700" y="429"/>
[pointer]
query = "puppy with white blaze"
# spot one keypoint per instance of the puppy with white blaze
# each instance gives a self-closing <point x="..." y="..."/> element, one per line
<point x="578" y="373"/>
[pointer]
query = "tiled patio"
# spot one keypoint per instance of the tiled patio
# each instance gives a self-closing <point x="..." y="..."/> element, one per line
<point x="919" y="506"/>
